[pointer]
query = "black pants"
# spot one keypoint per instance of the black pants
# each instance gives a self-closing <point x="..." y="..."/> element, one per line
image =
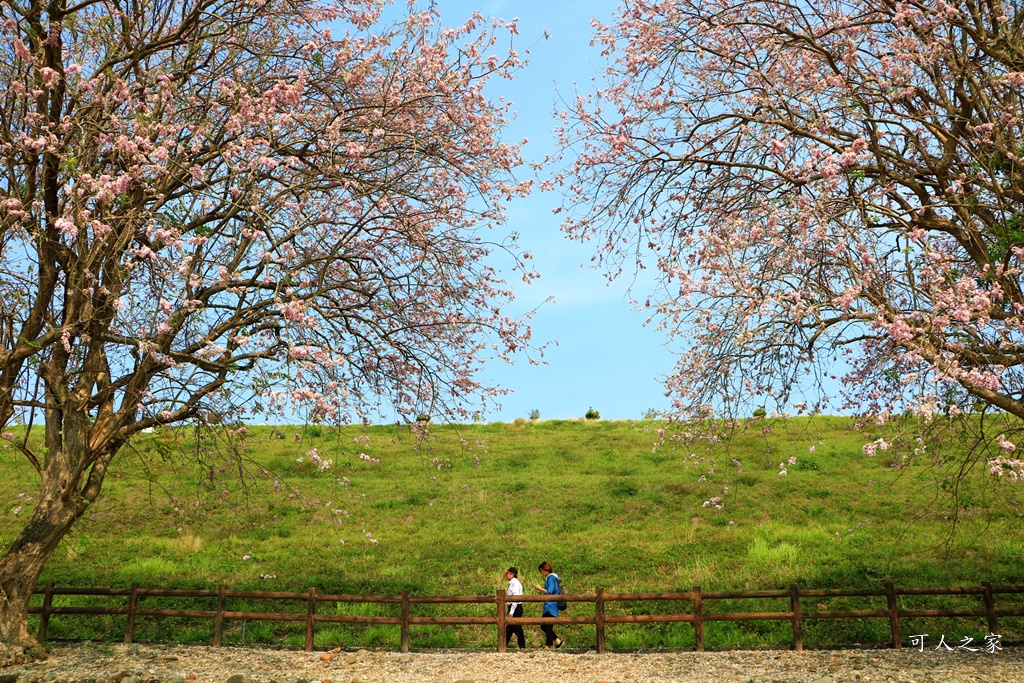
<point x="549" y="632"/>
<point x="516" y="629"/>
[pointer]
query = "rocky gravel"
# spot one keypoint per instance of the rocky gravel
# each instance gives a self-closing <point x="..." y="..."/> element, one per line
<point x="105" y="663"/>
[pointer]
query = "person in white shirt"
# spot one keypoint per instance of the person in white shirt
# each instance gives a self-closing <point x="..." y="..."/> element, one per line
<point x="515" y="609"/>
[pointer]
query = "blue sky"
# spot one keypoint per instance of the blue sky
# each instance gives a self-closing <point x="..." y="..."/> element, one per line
<point x="604" y="356"/>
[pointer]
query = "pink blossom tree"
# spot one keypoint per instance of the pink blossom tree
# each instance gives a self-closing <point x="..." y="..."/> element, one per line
<point x="212" y="207"/>
<point x="823" y="187"/>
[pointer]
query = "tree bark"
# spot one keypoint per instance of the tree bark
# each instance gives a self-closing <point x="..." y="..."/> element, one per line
<point x="20" y="567"/>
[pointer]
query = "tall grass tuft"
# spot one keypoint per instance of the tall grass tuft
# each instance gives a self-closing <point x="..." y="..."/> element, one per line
<point x="774" y="559"/>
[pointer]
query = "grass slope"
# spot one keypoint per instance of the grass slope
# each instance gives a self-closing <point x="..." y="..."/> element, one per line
<point x="444" y="514"/>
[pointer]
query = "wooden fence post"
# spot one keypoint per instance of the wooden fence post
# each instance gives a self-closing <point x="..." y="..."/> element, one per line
<point x="502" y="607"/>
<point x="310" y="618"/>
<point x="698" y="619"/>
<point x="894" y="615"/>
<point x="990" y="607"/>
<point x="405" y="621"/>
<point x="218" y="619"/>
<point x="44" y="618"/>
<point x="798" y="630"/>
<point x="599" y="620"/>
<point x="133" y="601"/>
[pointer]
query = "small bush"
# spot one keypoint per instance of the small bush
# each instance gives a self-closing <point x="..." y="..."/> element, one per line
<point x="760" y="412"/>
<point x="423" y="417"/>
<point x="314" y="431"/>
<point x="534" y="414"/>
<point x="592" y="414"/>
<point x="805" y="463"/>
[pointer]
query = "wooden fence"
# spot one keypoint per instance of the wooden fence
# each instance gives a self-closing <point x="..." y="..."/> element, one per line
<point x="696" y="599"/>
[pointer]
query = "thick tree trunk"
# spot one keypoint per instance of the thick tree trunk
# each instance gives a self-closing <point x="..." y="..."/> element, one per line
<point x="55" y="512"/>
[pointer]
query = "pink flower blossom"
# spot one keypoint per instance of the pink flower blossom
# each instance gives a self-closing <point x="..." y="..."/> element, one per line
<point x="1013" y="468"/>
<point x="21" y="50"/>
<point x="66" y="226"/>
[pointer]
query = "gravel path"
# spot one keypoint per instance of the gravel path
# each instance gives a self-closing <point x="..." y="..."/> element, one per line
<point x="182" y="664"/>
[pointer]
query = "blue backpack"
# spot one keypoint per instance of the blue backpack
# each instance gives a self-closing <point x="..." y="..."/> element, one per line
<point x="561" y="604"/>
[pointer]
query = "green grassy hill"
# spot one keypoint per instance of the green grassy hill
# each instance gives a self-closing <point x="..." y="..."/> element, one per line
<point x="609" y="504"/>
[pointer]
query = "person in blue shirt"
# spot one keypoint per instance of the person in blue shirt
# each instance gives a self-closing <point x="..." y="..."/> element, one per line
<point x="550" y="587"/>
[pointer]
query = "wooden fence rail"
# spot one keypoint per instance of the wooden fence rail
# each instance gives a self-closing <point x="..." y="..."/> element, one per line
<point x="696" y="599"/>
